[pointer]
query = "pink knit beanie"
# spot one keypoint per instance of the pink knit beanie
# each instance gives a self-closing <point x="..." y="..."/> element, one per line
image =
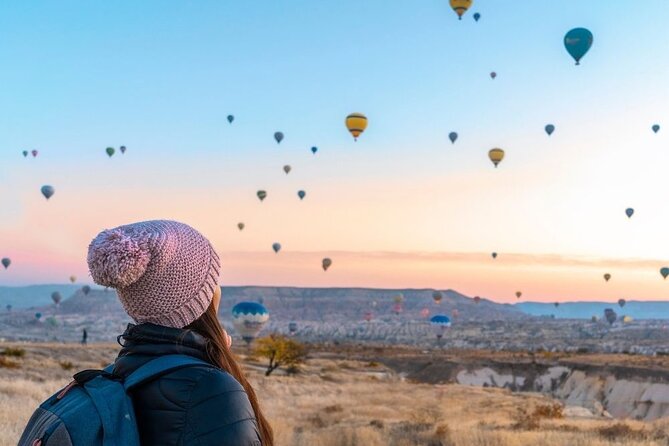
<point x="165" y="272"/>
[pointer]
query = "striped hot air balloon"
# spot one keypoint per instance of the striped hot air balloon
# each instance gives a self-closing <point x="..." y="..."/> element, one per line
<point x="356" y="123"/>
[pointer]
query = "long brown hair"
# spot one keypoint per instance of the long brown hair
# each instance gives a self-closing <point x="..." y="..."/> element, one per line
<point x="220" y="354"/>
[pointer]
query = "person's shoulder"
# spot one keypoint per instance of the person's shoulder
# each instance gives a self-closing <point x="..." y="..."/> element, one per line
<point x="209" y="377"/>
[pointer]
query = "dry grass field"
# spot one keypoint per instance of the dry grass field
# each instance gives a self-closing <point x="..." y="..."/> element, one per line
<point x="339" y="402"/>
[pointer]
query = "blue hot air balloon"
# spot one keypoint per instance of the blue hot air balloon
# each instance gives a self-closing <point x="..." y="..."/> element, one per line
<point x="6" y="262"/>
<point x="276" y="247"/>
<point x="48" y="191"/>
<point x="38" y="316"/>
<point x="314" y="149"/>
<point x="664" y="271"/>
<point x="656" y="128"/>
<point x="477" y="16"/>
<point x="577" y="42"/>
<point x="25" y="153"/>
<point x="278" y="136"/>
<point x="453" y="136"/>
<point x="301" y="194"/>
<point x="231" y="118"/>
<point x="248" y="319"/>
<point x="629" y="212"/>
<point x="440" y="323"/>
<point x="550" y="128"/>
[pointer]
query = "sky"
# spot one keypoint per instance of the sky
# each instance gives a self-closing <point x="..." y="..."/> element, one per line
<point x="402" y="206"/>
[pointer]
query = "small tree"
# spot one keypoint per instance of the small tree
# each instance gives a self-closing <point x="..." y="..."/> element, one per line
<point x="280" y="351"/>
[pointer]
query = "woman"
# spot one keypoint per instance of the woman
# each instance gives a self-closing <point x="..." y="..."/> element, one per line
<point x="166" y="276"/>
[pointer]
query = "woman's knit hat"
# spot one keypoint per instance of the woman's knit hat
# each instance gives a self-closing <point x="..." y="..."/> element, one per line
<point x="165" y="272"/>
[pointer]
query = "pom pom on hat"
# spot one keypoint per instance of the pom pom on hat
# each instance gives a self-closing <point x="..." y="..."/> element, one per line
<point x="118" y="258"/>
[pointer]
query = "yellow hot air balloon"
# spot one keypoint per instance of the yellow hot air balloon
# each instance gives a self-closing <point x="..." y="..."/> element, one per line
<point x="356" y="123"/>
<point x="496" y="155"/>
<point x="460" y="6"/>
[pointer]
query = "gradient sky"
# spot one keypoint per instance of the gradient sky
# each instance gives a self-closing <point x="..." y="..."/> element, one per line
<point x="402" y="207"/>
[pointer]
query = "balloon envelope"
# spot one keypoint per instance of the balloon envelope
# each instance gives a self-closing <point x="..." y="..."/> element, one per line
<point x="38" y="316"/>
<point x="48" y="191"/>
<point x="440" y="323"/>
<point x="231" y="118"/>
<point x="494" y="255"/>
<point x="477" y="16"/>
<point x="629" y="212"/>
<point x="610" y="315"/>
<point x="493" y="75"/>
<point x="453" y="136"/>
<point x="301" y="194"/>
<point x="292" y="327"/>
<point x="577" y="42"/>
<point x="477" y="299"/>
<point x="287" y="169"/>
<point x="326" y="263"/>
<point x="460" y="7"/>
<point x="314" y="150"/>
<point x="437" y="296"/>
<point x="356" y="123"/>
<point x="622" y="302"/>
<point x="496" y="155"/>
<point x="518" y="294"/>
<point x="425" y="312"/>
<point x="241" y="226"/>
<point x="399" y="298"/>
<point x="6" y="262"/>
<point x="25" y="153"/>
<point x="110" y="151"/>
<point x="248" y="319"/>
<point x="656" y="128"/>
<point x="261" y="194"/>
<point x="664" y="271"/>
<point x="56" y="297"/>
<point x="550" y="128"/>
<point x="34" y="152"/>
<point x="73" y="279"/>
<point x="276" y="247"/>
<point x="607" y="277"/>
<point x="86" y="289"/>
<point x="122" y="149"/>
<point x="278" y="136"/>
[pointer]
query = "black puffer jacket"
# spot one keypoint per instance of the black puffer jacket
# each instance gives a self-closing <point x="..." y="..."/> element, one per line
<point x="192" y="406"/>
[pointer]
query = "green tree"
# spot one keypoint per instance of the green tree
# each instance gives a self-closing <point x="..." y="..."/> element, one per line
<point x="280" y="351"/>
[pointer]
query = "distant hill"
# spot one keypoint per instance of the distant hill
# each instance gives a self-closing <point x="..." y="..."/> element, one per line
<point x="33" y="295"/>
<point x="585" y="310"/>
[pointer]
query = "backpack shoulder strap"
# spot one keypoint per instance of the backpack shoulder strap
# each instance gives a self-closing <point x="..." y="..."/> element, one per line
<point x="161" y="366"/>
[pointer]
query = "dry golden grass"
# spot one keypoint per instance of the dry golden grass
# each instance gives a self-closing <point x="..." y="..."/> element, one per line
<point x="346" y="403"/>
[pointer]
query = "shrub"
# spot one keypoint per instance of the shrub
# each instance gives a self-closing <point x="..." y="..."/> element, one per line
<point x="13" y="351"/>
<point x="280" y="351"/>
<point x="8" y="363"/>
<point x="551" y="410"/>
<point x="377" y="424"/>
<point x="620" y="431"/>
<point x="66" y="365"/>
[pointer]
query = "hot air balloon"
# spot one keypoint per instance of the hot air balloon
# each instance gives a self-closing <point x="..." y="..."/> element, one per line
<point x="607" y="277"/>
<point x="656" y="128"/>
<point x="398" y="298"/>
<point x="425" y="313"/>
<point x="356" y="123"/>
<point x="278" y="136"/>
<point x="622" y="302"/>
<point x="610" y="315"/>
<point x="518" y="294"/>
<point x="664" y="271"/>
<point x="437" y="296"/>
<point x="287" y="169"/>
<point x="248" y="319"/>
<point x="231" y="118"/>
<point x="460" y="7"/>
<point x="556" y="304"/>
<point x="453" y="136"/>
<point x="48" y="191"/>
<point x="577" y="42"/>
<point x="34" y="153"/>
<point x="276" y="247"/>
<point x="110" y="151"/>
<point x="368" y="316"/>
<point x="122" y="149"/>
<point x="629" y="212"/>
<point x="301" y="194"/>
<point x="25" y="153"/>
<point x="241" y="226"/>
<point x="594" y="318"/>
<point x="86" y="289"/>
<point x="494" y="255"/>
<point x="314" y="150"/>
<point x="477" y="16"/>
<point x="550" y="128"/>
<point x="326" y="263"/>
<point x="38" y="316"/>
<point x="440" y="324"/>
<point x="56" y="297"/>
<point x="292" y="327"/>
<point x="6" y="262"/>
<point x="493" y="75"/>
<point x="397" y="309"/>
<point x="627" y="319"/>
<point x="73" y="279"/>
<point x="496" y="155"/>
<point x="9" y="307"/>
<point x="477" y="299"/>
<point x="261" y="194"/>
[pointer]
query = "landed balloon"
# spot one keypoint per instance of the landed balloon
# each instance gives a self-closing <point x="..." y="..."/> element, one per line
<point x="610" y="316"/>
<point x="25" y="153"/>
<point x="86" y="289"/>
<point x="261" y="195"/>
<point x="397" y="309"/>
<point x="629" y="212"/>
<point x="301" y="194"/>
<point x="398" y="298"/>
<point x="550" y="128"/>
<point x="292" y="327"/>
<point x="453" y="136"/>
<point x="437" y="296"/>
<point x="594" y="319"/>
<point x="440" y="323"/>
<point x="607" y="277"/>
<point x="314" y="150"/>
<point x="48" y="191"/>
<point x="496" y="155"/>
<point x="122" y="149"/>
<point x="460" y="7"/>
<point x="622" y="302"/>
<point x="34" y="153"/>
<point x="493" y="75"/>
<point x="276" y="247"/>
<point x="73" y="279"/>
<point x="248" y="319"/>
<point x="326" y="263"/>
<point x="278" y="136"/>
<point x="241" y="226"/>
<point x="665" y="272"/>
<point x="110" y="151"/>
<point x="518" y="294"/>
<point x="356" y="123"/>
<point x="6" y="262"/>
<point x="656" y="128"/>
<point x="56" y="297"/>
<point x="231" y="118"/>
<point x="577" y="42"/>
<point x="287" y="169"/>
<point x="477" y="16"/>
